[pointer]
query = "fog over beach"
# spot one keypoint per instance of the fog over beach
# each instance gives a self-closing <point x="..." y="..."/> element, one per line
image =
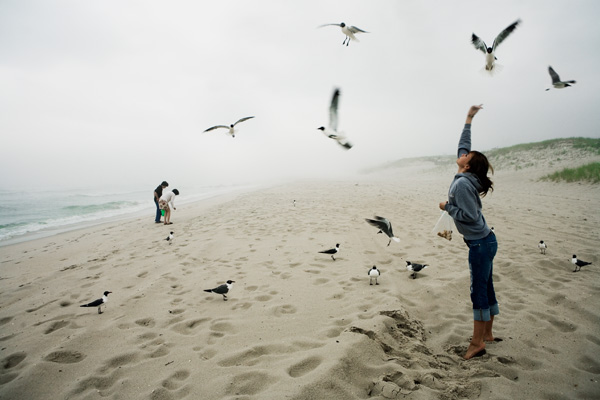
<point x="102" y="101"/>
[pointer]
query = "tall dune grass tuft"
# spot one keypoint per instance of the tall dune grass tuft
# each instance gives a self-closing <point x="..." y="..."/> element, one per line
<point x="585" y="173"/>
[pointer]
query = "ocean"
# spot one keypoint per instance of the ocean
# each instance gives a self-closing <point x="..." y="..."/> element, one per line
<point x="27" y="215"/>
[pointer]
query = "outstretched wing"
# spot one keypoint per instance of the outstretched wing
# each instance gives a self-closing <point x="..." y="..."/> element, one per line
<point x="478" y="43"/>
<point x="377" y="223"/>
<point x="320" y="26"/>
<point x="333" y="110"/>
<point x="242" y="120"/>
<point x="553" y="75"/>
<point x="216" y="126"/>
<point x="504" y="34"/>
<point x="354" y="29"/>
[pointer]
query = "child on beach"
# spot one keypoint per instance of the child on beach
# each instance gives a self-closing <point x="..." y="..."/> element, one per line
<point x="168" y="198"/>
<point x="464" y="206"/>
<point x="157" y="193"/>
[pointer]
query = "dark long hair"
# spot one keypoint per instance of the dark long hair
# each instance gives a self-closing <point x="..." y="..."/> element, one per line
<point x="479" y="165"/>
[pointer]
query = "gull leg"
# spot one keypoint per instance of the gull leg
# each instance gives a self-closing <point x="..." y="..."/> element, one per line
<point x="224" y="298"/>
<point x="333" y="257"/>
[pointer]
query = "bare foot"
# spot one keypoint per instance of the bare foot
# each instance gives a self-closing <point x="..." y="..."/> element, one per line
<point x="474" y="351"/>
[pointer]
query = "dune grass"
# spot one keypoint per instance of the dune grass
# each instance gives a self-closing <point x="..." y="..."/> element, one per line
<point x="587" y="144"/>
<point x="585" y="173"/>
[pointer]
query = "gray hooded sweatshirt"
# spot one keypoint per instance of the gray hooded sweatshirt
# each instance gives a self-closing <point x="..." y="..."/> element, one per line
<point x="464" y="203"/>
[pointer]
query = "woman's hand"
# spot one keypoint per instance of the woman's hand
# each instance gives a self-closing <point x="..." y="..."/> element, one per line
<point x="443" y="205"/>
<point x="472" y="111"/>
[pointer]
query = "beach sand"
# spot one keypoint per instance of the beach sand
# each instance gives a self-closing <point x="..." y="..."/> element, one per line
<point x="297" y="324"/>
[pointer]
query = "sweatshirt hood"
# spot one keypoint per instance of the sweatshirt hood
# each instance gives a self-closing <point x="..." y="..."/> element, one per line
<point x="472" y="178"/>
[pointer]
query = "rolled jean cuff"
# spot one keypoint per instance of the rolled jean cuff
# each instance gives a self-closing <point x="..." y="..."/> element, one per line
<point x="485" y="314"/>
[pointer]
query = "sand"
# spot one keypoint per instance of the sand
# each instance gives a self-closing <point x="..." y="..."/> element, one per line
<point x="297" y="324"/>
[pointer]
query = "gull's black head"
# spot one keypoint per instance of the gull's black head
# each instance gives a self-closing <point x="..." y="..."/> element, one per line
<point x="106" y="293"/>
<point x="374" y="267"/>
<point x="322" y="128"/>
<point x="342" y="24"/>
<point x="171" y="233"/>
<point x="231" y="125"/>
<point x="574" y="256"/>
<point x="230" y="282"/>
<point x="489" y="50"/>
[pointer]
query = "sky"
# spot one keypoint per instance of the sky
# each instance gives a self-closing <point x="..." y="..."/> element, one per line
<point x="119" y="92"/>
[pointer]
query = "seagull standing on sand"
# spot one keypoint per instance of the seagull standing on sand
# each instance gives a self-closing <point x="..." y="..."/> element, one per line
<point x="490" y="57"/>
<point x="374" y="274"/>
<point x="222" y="289"/>
<point x="384" y="226"/>
<point x="332" y="251"/>
<point x="98" y="303"/>
<point x="231" y="127"/>
<point x="332" y="131"/>
<point x="542" y="246"/>
<point x="556" y="82"/>
<point x="415" y="268"/>
<point x="169" y="238"/>
<point x="349" y="31"/>
<point x="578" y="263"/>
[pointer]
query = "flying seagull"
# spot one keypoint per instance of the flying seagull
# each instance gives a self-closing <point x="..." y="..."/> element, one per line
<point x="222" y="289"/>
<point x="231" y="127"/>
<point x="384" y="226"/>
<point x="415" y="268"/>
<point x="169" y="238"/>
<point x="490" y="57"/>
<point x="332" y="251"/>
<point x="556" y="82"/>
<point x="349" y="31"/>
<point x="98" y="303"/>
<point x="578" y="263"/>
<point x="542" y="246"/>
<point x="332" y="132"/>
<point x="373" y="274"/>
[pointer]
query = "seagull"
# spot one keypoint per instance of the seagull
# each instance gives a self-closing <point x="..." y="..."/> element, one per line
<point x="489" y="52"/>
<point x="349" y="31"/>
<point x="332" y="251"/>
<point x="169" y="238"/>
<point x="98" y="303"/>
<point x="373" y="274"/>
<point x="332" y="131"/>
<point x="415" y="268"/>
<point x="222" y="289"/>
<point x="578" y="263"/>
<point x="384" y="226"/>
<point x="556" y="82"/>
<point x="542" y="246"/>
<point x="231" y="127"/>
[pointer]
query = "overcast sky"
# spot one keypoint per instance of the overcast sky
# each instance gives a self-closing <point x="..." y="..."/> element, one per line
<point x="119" y="92"/>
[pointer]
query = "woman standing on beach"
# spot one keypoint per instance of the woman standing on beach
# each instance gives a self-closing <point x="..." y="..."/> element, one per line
<point x="168" y="198"/>
<point x="464" y="206"/>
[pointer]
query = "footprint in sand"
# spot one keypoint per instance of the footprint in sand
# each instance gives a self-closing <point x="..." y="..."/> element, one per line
<point x="13" y="360"/>
<point x="175" y="381"/>
<point x="320" y="281"/>
<point x="249" y="383"/>
<point x="304" y="367"/>
<point x="190" y="326"/>
<point x="146" y="322"/>
<point x="278" y="311"/>
<point x="56" y="326"/>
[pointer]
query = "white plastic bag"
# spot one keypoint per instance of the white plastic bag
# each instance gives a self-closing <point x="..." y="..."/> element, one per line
<point x="444" y="226"/>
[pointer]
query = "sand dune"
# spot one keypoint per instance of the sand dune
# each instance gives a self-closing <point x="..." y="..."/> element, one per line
<point x="299" y="325"/>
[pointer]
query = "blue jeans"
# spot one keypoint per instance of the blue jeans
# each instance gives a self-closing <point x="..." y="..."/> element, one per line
<point x="481" y="266"/>
<point x="158" y="213"/>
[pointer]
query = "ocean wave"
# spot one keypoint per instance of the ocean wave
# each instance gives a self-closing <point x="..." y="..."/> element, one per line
<point x="92" y="208"/>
